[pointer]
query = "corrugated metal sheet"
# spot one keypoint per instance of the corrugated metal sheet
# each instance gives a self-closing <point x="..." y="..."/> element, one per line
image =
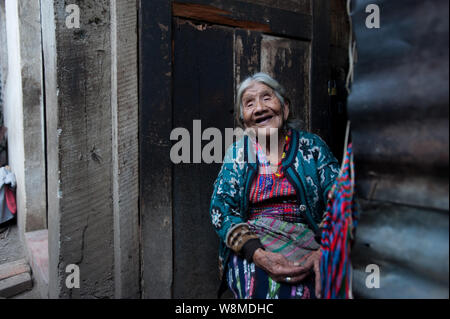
<point x="399" y="111"/>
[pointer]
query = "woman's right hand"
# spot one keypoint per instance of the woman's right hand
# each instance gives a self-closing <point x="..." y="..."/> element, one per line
<point x="279" y="267"/>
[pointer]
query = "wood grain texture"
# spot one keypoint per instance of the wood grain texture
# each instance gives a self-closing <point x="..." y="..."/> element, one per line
<point x="289" y="62"/>
<point x="125" y="152"/>
<point x="206" y="96"/>
<point x="247" y="16"/>
<point x="299" y="6"/>
<point x="79" y="130"/>
<point x="247" y="54"/>
<point x="155" y="165"/>
<point x="214" y="15"/>
<point x="33" y="189"/>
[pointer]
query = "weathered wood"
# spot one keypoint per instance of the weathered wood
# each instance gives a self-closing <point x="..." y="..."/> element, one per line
<point x="214" y="15"/>
<point x="339" y="64"/>
<point x="79" y="131"/>
<point x="320" y="104"/>
<point x="288" y="61"/>
<point x="195" y="242"/>
<point x="15" y="285"/>
<point x="247" y="54"/>
<point x="155" y="164"/>
<point x="32" y="192"/>
<point x="247" y="16"/>
<point x="299" y="6"/>
<point x="14" y="268"/>
<point x="124" y="101"/>
<point x="247" y="59"/>
<point x="52" y="127"/>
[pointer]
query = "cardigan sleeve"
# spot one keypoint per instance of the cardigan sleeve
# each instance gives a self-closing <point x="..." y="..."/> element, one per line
<point x="225" y="213"/>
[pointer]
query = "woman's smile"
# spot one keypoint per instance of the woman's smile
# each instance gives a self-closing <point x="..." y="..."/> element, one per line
<point x="263" y="120"/>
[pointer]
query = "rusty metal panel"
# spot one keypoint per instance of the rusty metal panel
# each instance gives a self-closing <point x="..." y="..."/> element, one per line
<point x="399" y="112"/>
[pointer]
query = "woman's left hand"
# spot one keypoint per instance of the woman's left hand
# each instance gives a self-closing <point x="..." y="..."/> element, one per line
<point x="312" y="262"/>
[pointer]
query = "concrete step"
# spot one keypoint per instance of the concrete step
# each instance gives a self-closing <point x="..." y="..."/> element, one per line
<point x="15" y="278"/>
<point x="13" y="268"/>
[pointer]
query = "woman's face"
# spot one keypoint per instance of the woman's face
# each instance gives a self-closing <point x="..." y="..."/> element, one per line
<point x="262" y="110"/>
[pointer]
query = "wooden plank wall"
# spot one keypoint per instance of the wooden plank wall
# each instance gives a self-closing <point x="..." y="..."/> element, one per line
<point x="155" y="164"/>
<point x="125" y="122"/>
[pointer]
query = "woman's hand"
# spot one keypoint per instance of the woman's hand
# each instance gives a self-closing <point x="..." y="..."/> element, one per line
<point x="312" y="263"/>
<point x="282" y="270"/>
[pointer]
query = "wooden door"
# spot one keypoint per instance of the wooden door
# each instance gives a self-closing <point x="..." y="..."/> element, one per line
<point x="193" y="53"/>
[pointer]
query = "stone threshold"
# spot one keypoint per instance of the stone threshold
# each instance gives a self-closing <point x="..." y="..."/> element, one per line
<point x="36" y="243"/>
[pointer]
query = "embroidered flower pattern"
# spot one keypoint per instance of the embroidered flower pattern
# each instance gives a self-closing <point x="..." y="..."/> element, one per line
<point x="305" y="149"/>
<point x="216" y="218"/>
<point x="308" y="151"/>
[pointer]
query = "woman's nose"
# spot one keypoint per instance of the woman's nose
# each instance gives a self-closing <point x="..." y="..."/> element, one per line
<point x="259" y="106"/>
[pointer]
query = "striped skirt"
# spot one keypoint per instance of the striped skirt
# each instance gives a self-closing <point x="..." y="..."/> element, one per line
<point x="294" y="240"/>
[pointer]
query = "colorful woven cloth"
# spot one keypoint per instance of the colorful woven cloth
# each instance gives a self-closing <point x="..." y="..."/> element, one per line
<point x="293" y="240"/>
<point x="339" y="226"/>
<point x="247" y="281"/>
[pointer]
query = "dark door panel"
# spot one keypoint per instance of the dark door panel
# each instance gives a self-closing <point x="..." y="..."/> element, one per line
<point x="202" y="90"/>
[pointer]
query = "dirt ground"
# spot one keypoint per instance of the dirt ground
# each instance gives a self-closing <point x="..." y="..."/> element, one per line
<point x="11" y="248"/>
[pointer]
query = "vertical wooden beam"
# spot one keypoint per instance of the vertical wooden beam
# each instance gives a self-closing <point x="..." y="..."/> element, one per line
<point x="125" y="155"/>
<point x="79" y="131"/>
<point x="320" y="106"/>
<point x="35" y="208"/>
<point x="155" y="164"/>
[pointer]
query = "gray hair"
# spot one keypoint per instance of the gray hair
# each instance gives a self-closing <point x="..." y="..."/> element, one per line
<point x="278" y="89"/>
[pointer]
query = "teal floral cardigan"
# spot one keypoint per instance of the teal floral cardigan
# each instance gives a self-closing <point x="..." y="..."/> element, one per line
<point x="309" y="166"/>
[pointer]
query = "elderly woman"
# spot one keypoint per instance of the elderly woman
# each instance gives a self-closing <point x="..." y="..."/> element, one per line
<point x="268" y="199"/>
